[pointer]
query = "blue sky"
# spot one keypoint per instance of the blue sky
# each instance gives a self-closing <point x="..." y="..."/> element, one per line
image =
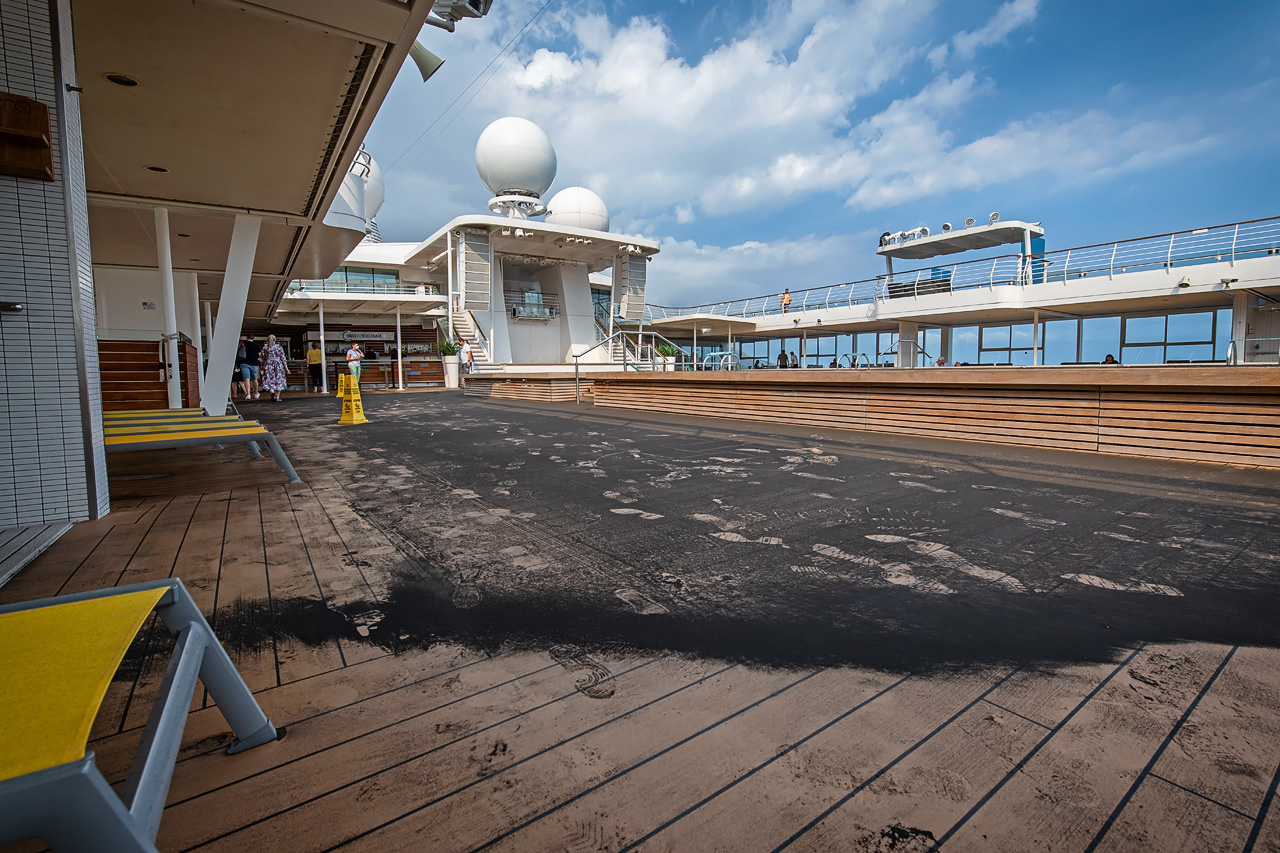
<point x="767" y="145"/>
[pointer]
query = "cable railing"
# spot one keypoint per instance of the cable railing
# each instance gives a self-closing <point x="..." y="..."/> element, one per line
<point x="1221" y="243"/>
<point x="302" y="287"/>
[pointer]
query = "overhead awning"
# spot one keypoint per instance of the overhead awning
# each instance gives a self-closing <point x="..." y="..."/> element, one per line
<point x="963" y="240"/>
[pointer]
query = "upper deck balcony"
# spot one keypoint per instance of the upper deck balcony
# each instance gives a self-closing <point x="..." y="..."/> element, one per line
<point x="1184" y="269"/>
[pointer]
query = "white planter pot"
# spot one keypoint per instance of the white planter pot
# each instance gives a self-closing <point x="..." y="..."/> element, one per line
<point x="664" y="362"/>
<point x="450" y="370"/>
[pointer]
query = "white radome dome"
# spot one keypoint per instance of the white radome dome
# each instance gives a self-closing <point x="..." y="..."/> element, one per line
<point x="513" y="155"/>
<point x="578" y="207"/>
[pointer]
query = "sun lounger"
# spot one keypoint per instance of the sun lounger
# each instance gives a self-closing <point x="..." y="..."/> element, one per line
<point x="236" y="432"/>
<point x="57" y="658"/>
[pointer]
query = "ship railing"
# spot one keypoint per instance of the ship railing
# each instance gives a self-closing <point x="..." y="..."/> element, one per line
<point x="1222" y="243"/>
<point x="1217" y="244"/>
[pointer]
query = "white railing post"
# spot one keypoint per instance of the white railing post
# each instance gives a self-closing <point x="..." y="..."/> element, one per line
<point x="1111" y="272"/>
<point x="1066" y="263"/>
<point x="1168" y="258"/>
<point x="1235" y="234"/>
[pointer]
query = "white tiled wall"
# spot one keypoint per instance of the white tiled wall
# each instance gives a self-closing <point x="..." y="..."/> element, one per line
<point x="52" y="466"/>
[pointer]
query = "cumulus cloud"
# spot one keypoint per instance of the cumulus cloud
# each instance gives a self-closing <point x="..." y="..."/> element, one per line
<point x="688" y="273"/>
<point x="776" y="115"/>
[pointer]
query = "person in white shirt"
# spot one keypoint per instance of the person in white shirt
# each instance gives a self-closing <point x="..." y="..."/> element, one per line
<point x="466" y="356"/>
<point x="354" y="355"/>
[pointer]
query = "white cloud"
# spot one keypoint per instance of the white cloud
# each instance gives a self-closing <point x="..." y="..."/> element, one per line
<point x="686" y="273"/>
<point x="772" y="118"/>
<point x="1009" y="17"/>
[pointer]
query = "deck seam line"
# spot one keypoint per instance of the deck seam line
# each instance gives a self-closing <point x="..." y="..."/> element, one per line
<point x="393" y="725"/>
<point x="1015" y="713"/>
<point x="1204" y="797"/>
<point x="653" y="757"/>
<point x="827" y="812"/>
<point x="1137" y="783"/>
<point x="1262" y="813"/>
<point x="691" y="809"/>
<point x="534" y="755"/>
<point x="1017" y="768"/>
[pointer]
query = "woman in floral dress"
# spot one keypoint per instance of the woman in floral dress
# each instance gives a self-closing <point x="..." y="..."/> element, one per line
<point x="274" y="368"/>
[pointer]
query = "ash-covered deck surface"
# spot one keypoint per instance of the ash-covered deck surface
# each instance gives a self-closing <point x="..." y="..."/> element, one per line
<point x="543" y="627"/>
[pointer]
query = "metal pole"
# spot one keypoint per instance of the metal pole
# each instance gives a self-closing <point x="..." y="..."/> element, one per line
<point x="208" y="332"/>
<point x="165" y="258"/>
<point x="324" y="360"/>
<point x="195" y="334"/>
<point x="399" y="350"/>
<point x="1035" y="337"/>
<point x="695" y="347"/>
<point x="448" y="269"/>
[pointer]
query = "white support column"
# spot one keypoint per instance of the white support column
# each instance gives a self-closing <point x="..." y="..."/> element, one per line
<point x="208" y="337"/>
<point x="399" y="351"/>
<point x="908" y="345"/>
<point x="324" y="358"/>
<point x="195" y="334"/>
<point x="169" y="303"/>
<point x="449" y="263"/>
<point x="1035" y="337"/>
<point x="695" y="347"/>
<point x="235" y="294"/>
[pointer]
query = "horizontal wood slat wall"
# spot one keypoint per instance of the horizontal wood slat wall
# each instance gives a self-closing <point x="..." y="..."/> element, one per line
<point x="542" y="389"/>
<point x="1195" y="414"/>
<point x="131" y="377"/>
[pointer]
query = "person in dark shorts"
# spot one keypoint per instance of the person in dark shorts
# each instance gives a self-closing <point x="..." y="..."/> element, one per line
<point x="315" y="366"/>
<point x="249" y="370"/>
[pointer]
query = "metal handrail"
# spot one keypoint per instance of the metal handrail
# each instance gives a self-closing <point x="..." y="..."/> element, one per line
<point x="654" y="337"/>
<point x="1236" y="344"/>
<point x="1229" y="243"/>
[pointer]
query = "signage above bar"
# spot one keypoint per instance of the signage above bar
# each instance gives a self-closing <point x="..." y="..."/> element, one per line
<point x="354" y="335"/>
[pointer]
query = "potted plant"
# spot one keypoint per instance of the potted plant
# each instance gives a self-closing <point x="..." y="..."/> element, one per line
<point x="449" y="356"/>
<point x="666" y="357"/>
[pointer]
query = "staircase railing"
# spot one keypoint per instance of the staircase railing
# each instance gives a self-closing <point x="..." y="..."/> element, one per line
<point x="654" y="339"/>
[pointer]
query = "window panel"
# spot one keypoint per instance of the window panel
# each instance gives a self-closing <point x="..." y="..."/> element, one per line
<point x="1144" y="330"/>
<point x="1060" y="341"/>
<point x="1222" y="333"/>
<point x="1142" y="355"/>
<point x="1191" y="328"/>
<point x="995" y="337"/>
<point x="1189" y="352"/>
<point x="1022" y="335"/>
<point x="1099" y="336"/>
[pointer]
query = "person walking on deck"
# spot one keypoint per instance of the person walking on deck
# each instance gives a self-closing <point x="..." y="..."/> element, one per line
<point x="315" y="366"/>
<point x="275" y="369"/>
<point x="786" y="300"/>
<point x="354" y="355"/>
<point x="782" y="360"/>
<point x="249" y="370"/>
<point x="466" y="356"/>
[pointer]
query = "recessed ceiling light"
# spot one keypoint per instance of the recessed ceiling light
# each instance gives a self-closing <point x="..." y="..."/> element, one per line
<point x="120" y="79"/>
<point x="161" y="169"/>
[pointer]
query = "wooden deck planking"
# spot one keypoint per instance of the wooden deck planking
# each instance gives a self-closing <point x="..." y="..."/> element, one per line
<point x="243" y="589"/>
<point x="566" y="753"/>
<point x="421" y="764"/>
<point x="771" y="806"/>
<point x="1055" y="798"/>
<point x="661" y="786"/>
<point x="293" y="580"/>
<point x="340" y="579"/>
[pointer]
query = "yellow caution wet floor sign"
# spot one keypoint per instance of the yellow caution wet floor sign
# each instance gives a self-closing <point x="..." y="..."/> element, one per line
<point x="342" y="384"/>
<point x="352" y="408"/>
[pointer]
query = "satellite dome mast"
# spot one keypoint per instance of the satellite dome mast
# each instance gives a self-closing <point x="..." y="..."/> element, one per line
<point x="517" y="163"/>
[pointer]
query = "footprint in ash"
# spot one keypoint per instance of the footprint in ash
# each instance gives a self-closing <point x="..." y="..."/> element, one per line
<point x="590" y="672"/>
